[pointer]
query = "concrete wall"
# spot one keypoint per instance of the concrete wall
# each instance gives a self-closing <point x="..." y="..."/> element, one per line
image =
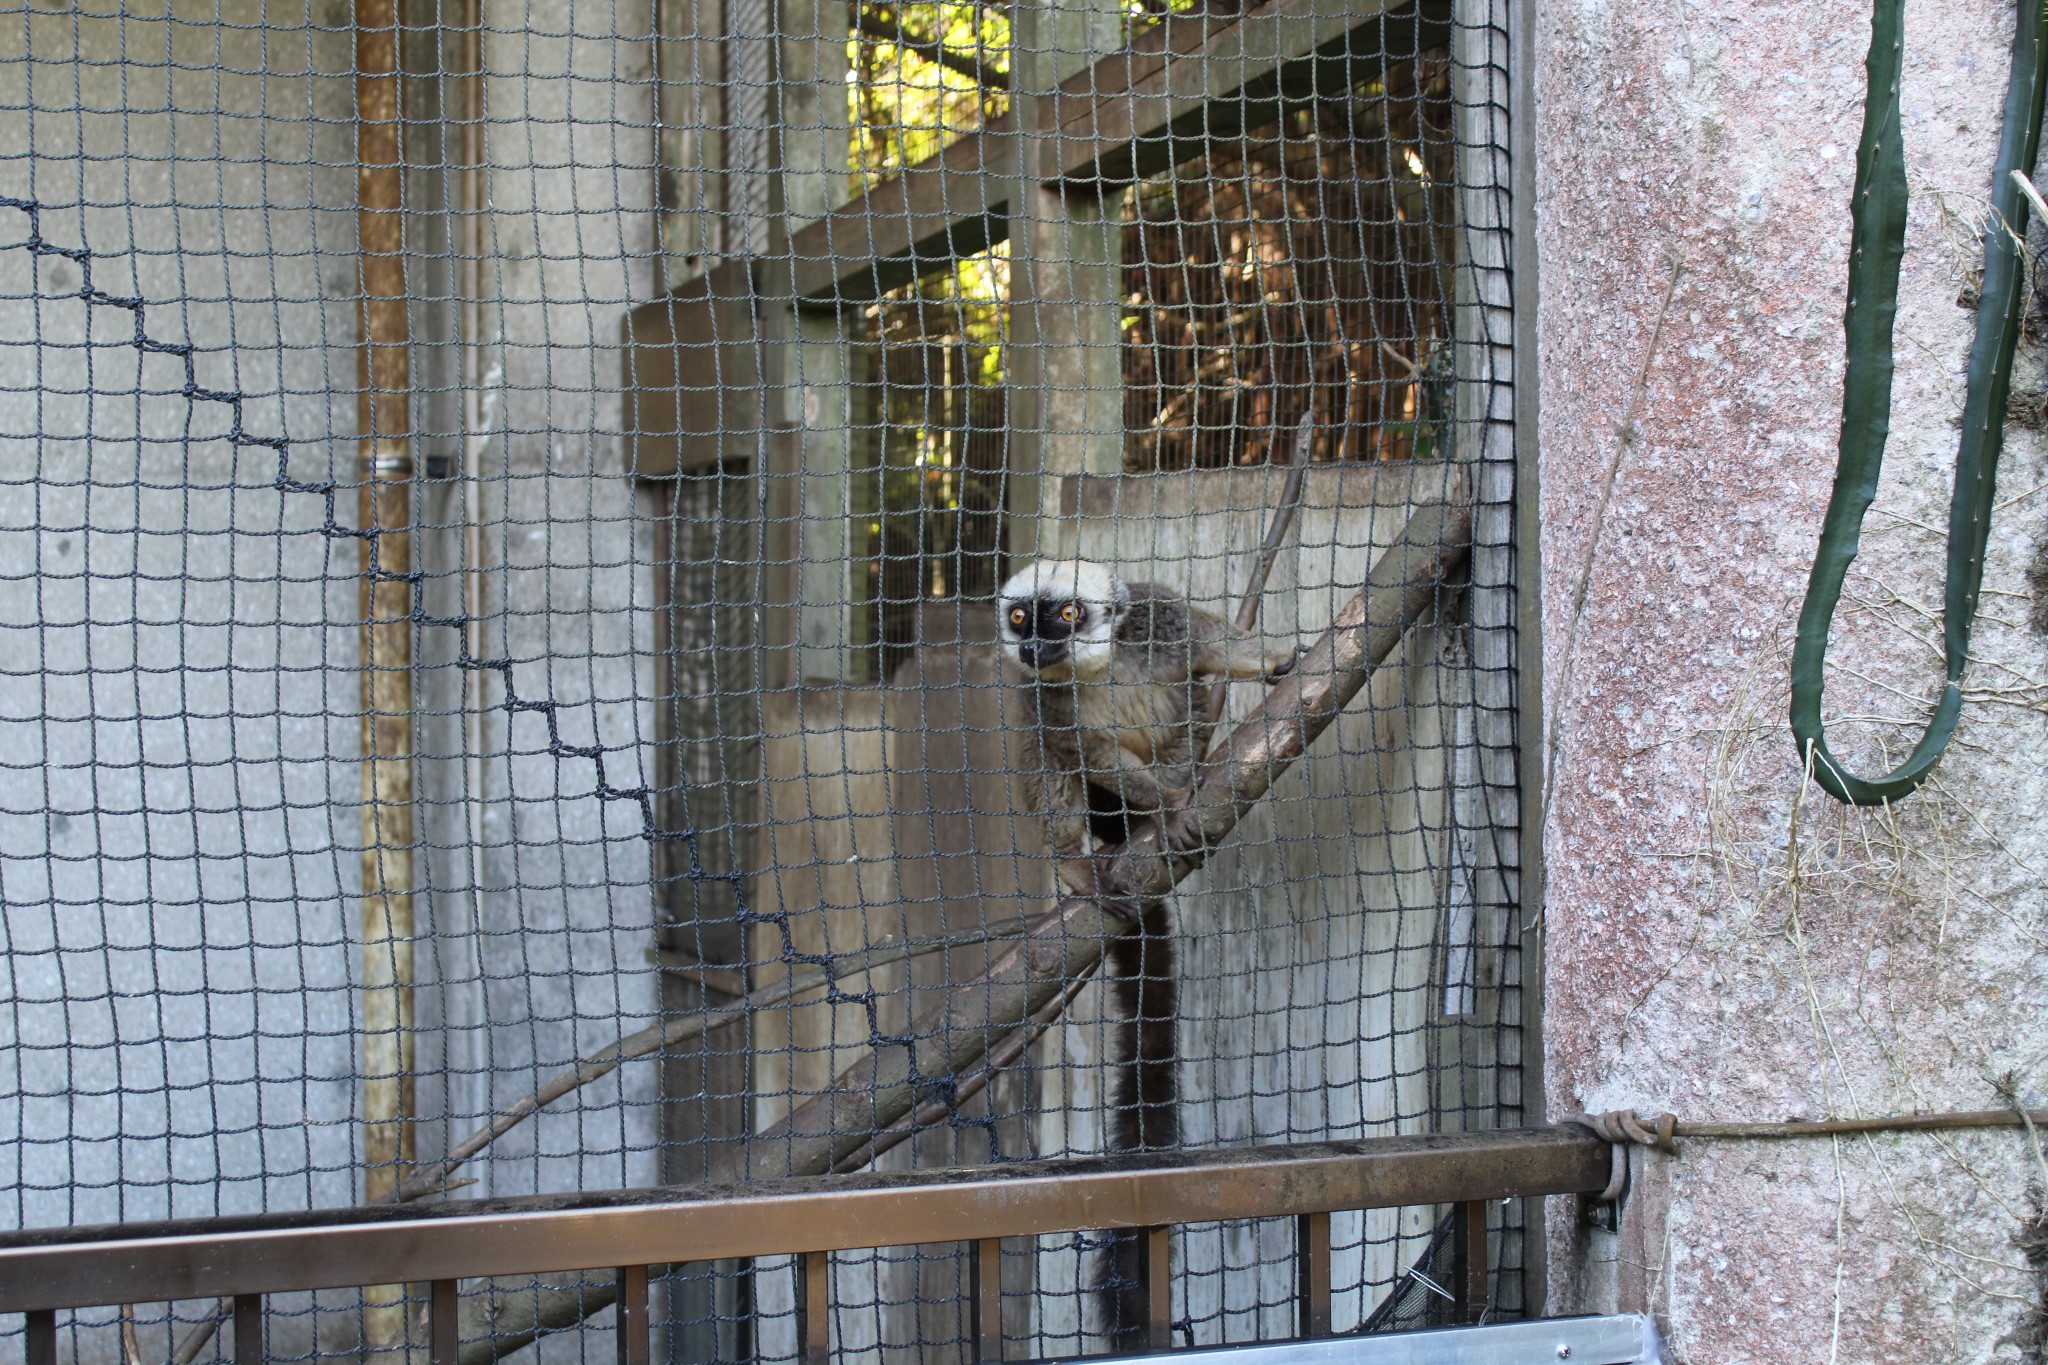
<point x="179" y="825"/>
<point x="1722" y="942"/>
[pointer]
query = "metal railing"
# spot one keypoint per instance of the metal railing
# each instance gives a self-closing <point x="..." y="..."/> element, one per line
<point x="631" y="1231"/>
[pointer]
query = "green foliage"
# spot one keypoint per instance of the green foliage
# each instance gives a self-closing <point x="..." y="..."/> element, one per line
<point x="905" y="106"/>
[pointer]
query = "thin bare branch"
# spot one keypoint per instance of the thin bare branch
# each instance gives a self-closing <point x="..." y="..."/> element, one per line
<point x="1269" y="553"/>
<point x="1013" y="1046"/>
<point x="648" y="1042"/>
<point x="668" y="1034"/>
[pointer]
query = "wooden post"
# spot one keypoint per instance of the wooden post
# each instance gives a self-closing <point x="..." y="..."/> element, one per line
<point x="384" y="509"/>
<point x="689" y="144"/>
<point x="1066" y="340"/>
<point x="705" y="665"/>
<point x="810" y="393"/>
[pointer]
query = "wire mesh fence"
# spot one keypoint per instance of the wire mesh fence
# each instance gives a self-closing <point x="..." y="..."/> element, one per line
<point x="503" y="520"/>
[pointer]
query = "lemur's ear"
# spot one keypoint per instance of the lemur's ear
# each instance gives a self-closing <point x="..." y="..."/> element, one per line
<point x="1121" y="607"/>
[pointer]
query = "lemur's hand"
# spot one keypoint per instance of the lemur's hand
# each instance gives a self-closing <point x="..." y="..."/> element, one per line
<point x="1283" y="670"/>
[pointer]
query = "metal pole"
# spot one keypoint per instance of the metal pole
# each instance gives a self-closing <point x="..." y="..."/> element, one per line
<point x="384" y="373"/>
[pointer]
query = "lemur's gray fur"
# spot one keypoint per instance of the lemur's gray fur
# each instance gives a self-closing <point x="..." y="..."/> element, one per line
<point x="1117" y="672"/>
<point x="1117" y="675"/>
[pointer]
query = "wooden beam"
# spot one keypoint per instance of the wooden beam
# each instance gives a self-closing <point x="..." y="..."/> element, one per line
<point x="947" y="206"/>
<point x="1161" y="101"/>
<point x="1183" y="85"/>
<point x="1139" y="112"/>
<point x="692" y="373"/>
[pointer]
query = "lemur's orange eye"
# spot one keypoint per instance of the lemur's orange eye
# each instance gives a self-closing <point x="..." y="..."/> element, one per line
<point x="1018" y="616"/>
<point x="1070" y="613"/>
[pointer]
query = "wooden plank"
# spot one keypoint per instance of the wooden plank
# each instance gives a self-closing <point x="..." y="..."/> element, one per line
<point x="967" y="854"/>
<point x="635" y="1347"/>
<point x="1137" y="113"/>
<point x="823" y="848"/>
<point x="692" y="373"/>
<point x="949" y="205"/>
<point x="690" y="117"/>
<point x="706" y="777"/>
<point x="988" y="1301"/>
<point x="1064" y="358"/>
<point x="444" y="1325"/>
<point x="1312" y="1274"/>
<point x="1131" y="114"/>
<point x="1161" y="101"/>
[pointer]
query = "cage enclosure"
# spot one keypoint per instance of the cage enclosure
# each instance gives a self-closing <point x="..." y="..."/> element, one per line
<point x="502" y="518"/>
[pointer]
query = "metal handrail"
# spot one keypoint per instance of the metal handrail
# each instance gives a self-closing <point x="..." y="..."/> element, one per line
<point x="629" y="1230"/>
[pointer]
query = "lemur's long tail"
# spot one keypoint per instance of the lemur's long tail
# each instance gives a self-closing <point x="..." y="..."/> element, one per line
<point x="1144" y="1096"/>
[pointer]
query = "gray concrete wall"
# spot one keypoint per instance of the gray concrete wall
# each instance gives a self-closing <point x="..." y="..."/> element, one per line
<point x="1723" y="941"/>
<point x="178" y="685"/>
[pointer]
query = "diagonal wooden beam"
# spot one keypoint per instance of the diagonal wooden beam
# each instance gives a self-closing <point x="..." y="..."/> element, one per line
<point x="1165" y="99"/>
<point x="945" y="207"/>
<point x="1142" y="111"/>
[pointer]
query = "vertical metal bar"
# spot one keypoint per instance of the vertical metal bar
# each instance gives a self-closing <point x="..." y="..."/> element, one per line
<point x="634" y="1345"/>
<point x="444" y="1323"/>
<point x="1312" y="1274"/>
<point x="1158" y="1289"/>
<point x="40" y="1346"/>
<point x="814" y="1295"/>
<point x="472" y="238"/>
<point x="1487" y="1048"/>
<point x="384" y="511"/>
<point x="988" y="1300"/>
<point x="1473" y="1283"/>
<point x="249" y="1329"/>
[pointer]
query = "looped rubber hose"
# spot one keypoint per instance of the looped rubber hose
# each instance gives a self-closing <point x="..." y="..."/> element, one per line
<point x="1876" y="246"/>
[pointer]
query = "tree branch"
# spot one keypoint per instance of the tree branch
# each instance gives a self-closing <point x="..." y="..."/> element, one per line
<point x="880" y="25"/>
<point x="1014" y="1045"/>
<point x="667" y="1034"/>
<point x="1269" y="553"/>
<point x="657" y="1038"/>
<point x="955" y="1035"/>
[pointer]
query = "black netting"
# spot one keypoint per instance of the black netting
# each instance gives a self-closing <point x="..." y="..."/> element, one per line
<point x="502" y="513"/>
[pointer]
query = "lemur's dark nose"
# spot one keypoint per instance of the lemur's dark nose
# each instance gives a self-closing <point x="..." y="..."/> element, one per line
<point x="1040" y="653"/>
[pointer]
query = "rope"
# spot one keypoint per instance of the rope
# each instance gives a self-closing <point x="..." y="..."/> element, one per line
<point x="1660" y="1132"/>
<point x="1623" y="1128"/>
<point x="1877" y="244"/>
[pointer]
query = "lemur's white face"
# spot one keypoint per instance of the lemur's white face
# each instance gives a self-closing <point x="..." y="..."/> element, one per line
<point x="1059" y="617"/>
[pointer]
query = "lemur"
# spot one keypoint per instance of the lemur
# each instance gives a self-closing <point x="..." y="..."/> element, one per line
<point x="1117" y="675"/>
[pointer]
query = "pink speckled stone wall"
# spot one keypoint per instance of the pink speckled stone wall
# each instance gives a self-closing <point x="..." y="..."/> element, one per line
<point x="1718" y="942"/>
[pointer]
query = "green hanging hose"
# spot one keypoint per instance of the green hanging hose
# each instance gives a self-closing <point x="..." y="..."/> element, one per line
<point x="1876" y="245"/>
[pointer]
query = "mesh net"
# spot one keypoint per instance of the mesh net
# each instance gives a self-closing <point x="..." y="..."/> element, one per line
<point x="501" y="517"/>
